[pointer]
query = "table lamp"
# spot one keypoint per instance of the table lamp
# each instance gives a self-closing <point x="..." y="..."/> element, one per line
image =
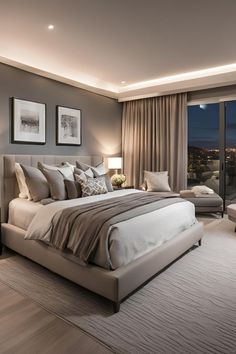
<point x="115" y="163"/>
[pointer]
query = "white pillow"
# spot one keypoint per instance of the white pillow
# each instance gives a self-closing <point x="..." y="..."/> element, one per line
<point x="20" y="177"/>
<point x="157" y="181"/>
<point x="202" y="190"/>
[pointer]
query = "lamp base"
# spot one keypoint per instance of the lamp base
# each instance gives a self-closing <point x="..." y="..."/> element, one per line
<point x="118" y="179"/>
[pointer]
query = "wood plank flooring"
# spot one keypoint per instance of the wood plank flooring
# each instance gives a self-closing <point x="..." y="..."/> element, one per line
<point x="26" y="328"/>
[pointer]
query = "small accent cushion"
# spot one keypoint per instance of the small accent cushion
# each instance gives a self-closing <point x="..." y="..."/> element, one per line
<point x="92" y="186"/>
<point x="36" y="183"/>
<point x="202" y="190"/>
<point x="157" y="181"/>
<point x="100" y="170"/>
<point x="73" y="189"/>
<point x="97" y="171"/>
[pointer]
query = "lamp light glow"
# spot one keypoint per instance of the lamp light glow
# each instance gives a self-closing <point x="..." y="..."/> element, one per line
<point x="114" y="163"/>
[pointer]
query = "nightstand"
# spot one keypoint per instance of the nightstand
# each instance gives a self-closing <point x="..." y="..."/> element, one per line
<point x="125" y="187"/>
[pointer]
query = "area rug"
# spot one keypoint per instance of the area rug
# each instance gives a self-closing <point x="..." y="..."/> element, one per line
<point x="189" y="308"/>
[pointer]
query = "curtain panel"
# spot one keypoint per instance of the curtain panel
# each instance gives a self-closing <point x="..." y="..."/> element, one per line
<point x="154" y="138"/>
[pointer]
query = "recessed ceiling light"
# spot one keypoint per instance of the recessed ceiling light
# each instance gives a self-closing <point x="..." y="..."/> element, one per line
<point x="51" y="27"/>
<point x="123" y="82"/>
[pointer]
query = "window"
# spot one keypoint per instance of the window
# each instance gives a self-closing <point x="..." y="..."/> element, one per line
<point x="212" y="147"/>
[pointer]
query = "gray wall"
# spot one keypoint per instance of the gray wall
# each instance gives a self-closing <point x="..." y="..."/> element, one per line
<point x="101" y="116"/>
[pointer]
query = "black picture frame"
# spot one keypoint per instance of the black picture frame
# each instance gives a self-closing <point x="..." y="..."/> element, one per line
<point x="68" y="126"/>
<point x="28" y="121"/>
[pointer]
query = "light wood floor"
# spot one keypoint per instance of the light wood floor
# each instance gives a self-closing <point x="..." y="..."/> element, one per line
<point x="26" y="328"/>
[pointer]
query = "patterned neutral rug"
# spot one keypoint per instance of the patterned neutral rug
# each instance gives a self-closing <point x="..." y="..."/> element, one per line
<point x="189" y="308"/>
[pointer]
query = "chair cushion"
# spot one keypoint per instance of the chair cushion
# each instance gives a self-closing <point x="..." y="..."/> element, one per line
<point x="207" y="200"/>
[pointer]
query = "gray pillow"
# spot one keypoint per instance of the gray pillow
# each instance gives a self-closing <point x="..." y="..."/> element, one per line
<point x="99" y="170"/>
<point x="56" y="184"/>
<point x="66" y="170"/>
<point x="73" y="189"/>
<point x="108" y="182"/>
<point x="36" y="183"/>
<point x="86" y="173"/>
<point x="47" y="201"/>
<point x="157" y="181"/>
<point x="82" y="166"/>
<point x="92" y="186"/>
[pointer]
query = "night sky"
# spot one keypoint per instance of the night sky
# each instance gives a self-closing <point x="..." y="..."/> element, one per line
<point x="203" y="125"/>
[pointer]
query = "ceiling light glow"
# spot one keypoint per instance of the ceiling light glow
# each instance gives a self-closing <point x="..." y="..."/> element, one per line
<point x="50" y="27"/>
<point x="191" y="75"/>
<point x="123" y="82"/>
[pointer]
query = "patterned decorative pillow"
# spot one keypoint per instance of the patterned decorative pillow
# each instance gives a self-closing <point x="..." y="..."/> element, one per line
<point x="93" y="186"/>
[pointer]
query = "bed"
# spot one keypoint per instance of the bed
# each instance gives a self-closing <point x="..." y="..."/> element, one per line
<point x="135" y="252"/>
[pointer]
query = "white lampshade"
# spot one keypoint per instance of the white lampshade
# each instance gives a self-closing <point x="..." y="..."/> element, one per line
<point x="114" y="163"/>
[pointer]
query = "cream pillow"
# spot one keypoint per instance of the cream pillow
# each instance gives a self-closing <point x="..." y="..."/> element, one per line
<point x="202" y="190"/>
<point x="157" y="181"/>
<point x="20" y="177"/>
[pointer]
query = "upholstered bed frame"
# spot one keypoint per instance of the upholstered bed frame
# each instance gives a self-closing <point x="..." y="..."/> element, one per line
<point x="114" y="285"/>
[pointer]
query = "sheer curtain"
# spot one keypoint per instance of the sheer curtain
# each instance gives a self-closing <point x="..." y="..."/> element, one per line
<point x="154" y="138"/>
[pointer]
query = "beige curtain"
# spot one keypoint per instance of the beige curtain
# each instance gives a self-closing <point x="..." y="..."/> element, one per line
<point x="154" y="138"/>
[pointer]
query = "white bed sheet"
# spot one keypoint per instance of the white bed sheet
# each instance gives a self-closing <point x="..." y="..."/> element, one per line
<point x="130" y="239"/>
<point x="22" y="211"/>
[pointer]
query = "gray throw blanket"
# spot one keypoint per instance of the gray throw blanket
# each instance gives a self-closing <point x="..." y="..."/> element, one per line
<point x="80" y="228"/>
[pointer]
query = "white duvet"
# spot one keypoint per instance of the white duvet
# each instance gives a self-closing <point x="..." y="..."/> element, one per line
<point x="129" y="239"/>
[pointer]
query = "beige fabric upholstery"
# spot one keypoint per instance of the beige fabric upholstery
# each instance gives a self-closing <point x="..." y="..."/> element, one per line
<point x="231" y="210"/>
<point x="9" y="186"/>
<point x="154" y="138"/>
<point x="207" y="203"/>
<point x="114" y="285"/>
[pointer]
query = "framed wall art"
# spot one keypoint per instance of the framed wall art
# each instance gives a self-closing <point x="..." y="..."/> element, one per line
<point x="28" y="122"/>
<point x="68" y="126"/>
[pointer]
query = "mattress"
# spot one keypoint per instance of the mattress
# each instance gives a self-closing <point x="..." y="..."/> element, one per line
<point x="130" y="239"/>
<point x="22" y="211"/>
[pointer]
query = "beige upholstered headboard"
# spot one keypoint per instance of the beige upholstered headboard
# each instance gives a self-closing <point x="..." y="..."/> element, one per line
<point x="9" y="187"/>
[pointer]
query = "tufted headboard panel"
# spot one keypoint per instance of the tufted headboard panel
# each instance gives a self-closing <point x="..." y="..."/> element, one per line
<point x="9" y="187"/>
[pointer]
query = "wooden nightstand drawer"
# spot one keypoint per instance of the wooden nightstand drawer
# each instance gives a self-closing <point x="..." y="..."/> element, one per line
<point x="125" y="187"/>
